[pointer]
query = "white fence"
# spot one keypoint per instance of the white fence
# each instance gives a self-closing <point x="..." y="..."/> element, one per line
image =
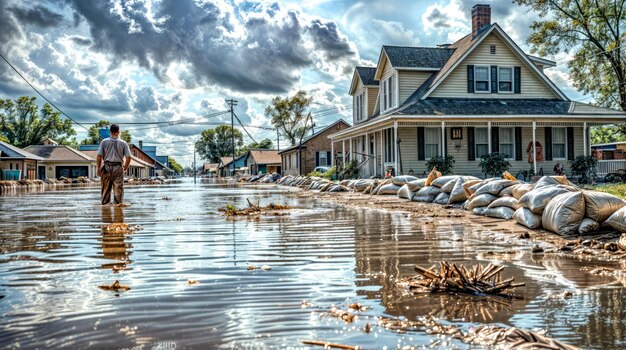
<point x="610" y="166"/>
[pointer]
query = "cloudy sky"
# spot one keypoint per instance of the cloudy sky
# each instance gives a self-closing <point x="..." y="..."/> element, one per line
<point x="166" y="60"/>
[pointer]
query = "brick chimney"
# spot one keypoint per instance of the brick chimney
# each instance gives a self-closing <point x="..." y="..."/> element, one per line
<point x="481" y="16"/>
<point x="140" y="144"/>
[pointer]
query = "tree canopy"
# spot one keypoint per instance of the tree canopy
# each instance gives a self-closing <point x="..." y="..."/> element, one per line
<point x="263" y="144"/>
<point x="606" y="134"/>
<point x="178" y="169"/>
<point x="93" y="137"/>
<point x="289" y="115"/>
<point x="592" y="32"/>
<point x="22" y="124"/>
<point x="217" y="143"/>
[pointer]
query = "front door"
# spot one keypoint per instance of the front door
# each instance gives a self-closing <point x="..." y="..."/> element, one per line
<point x="41" y="172"/>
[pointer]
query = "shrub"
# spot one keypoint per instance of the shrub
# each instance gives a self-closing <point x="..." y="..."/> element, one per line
<point x="526" y="174"/>
<point x="349" y="171"/>
<point x="327" y="175"/>
<point x="584" y="167"/>
<point x="494" y="164"/>
<point x="444" y="164"/>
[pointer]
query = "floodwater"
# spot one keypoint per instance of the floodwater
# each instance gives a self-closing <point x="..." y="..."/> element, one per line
<point x="53" y="257"/>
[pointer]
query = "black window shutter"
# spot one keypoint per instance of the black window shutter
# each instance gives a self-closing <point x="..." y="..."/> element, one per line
<point x="518" y="143"/>
<point x="517" y="80"/>
<point x="470" y="78"/>
<point x="445" y="141"/>
<point x="548" y="132"/>
<point x="317" y="158"/>
<point x="421" y="155"/>
<point x="328" y="158"/>
<point x="471" y="147"/>
<point x="495" y="139"/>
<point x="570" y="143"/>
<point x="494" y="79"/>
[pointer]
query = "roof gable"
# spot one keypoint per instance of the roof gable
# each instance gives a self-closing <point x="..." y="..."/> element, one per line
<point x="364" y="75"/>
<point x="320" y="132"/>
<point x="57" y="153"/>
<point x="7" y="150"/>
<point x="265" y="156"/>
<point x="417" y="58"/>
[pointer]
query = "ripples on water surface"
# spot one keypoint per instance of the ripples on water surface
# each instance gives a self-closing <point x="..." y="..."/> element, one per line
<point x="53" y="257"/>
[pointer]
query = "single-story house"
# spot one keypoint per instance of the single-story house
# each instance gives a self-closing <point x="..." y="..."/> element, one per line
<point x="16" y="163"/>
<point x="223" y="168"/>
<point x="609" y="151"/>
<point x="62" y="161"/>
<point x="479" y="95"/>
<point x="138" y="168"/>
<point x="315" y="150"/>
<point x="263" y="161"/>
<point x="226" y="166"/>
<point x="210" y="168"/>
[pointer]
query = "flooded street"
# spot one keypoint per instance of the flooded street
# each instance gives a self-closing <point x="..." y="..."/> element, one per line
<point x="53" y="257"/>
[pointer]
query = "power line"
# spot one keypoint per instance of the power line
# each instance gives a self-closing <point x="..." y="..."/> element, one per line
<point x="244" y="128"/>
<point x="181" y="121"/>
<point x="40" y="94"/>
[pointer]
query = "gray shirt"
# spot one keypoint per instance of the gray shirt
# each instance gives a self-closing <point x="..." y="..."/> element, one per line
<point x="113" y="150"/>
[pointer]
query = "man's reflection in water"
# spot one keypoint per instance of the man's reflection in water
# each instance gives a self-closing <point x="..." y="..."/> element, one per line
<point x="114" y="245"/>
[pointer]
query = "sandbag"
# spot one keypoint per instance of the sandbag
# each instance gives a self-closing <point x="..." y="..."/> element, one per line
<point x="509" y="202"/>
<point x="467" y="185"/>
<point x="599" y="205"/>
<point x="345" y="182"/>
<point x="432" y="176"/>
<point x="429" y="191"/>
<point x="537" y="199"/>
<point x="505" y="213"/>
<point x="402" y="179"/>
<point x="506" y="192"/>
<point x="338" y="188"/>
<point x="457" y="195"/>
<point x="447" y="188"/>
<point x="588" y="225"/>
<point x="380" y="185"/>
<point x="388" y="189"/>
<point x="440" y="181"/>
<point x="404" y="192"/>
<point x="494" y="187"/>
<point x="479" y="210"/>
<point x="564" y="213"/>
<point x="360" y="185"/>
<point x="482" y="200"/>
<point x="519" y="190"/>
<point x="418" y="198"/>
<point x="526" y="217"/>
<point x="617" y="220"/>
<point x="552" y="180"/>
<point x="442" y="198"/>
<point x="417" y="185"/>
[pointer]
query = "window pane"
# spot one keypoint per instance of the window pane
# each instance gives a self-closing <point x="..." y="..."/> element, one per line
<point x="481" y="135"/>
<point x="558" y="150"/>
<point x="482" y="73"/>
<point x="481" y="150"/>
<point x="507" y="149"/>
<point x="432" y="135"/>
<point x="505" y="74"/>
<point x="482" y="86"/>
<point x="505" y="86"/>
<point x="431" y="150"/>
<point x="558" y="135"/>
<point x="506" y="135"/>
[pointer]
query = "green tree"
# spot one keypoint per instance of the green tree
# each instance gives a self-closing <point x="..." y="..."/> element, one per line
<point x="263" y="144"/>
<point x="605" y="134"/>
<point x="93" y="137"/>
<point x="217" y="143"/>
<point x="592" y="31"/>
<point x="178" y="169"/>
<point x="22" y="125"/>
<point x="289" y="116"/>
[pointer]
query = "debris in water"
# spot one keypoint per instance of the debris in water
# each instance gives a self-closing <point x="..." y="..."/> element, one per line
<point x="166" y="198"/>
<point x="513" y="337"/>
<point x="252" y="209"/>
<point x="254" y="267"/>
<point x="120" y="228"/>
<point x="357" y="307"/>
<point x="453" y="279"/>
<point x="328" y="345"/>
<point x="116" y="286"/>
<point x="305" y="304"/>
<point x="367" y="328"/>
<point x="536" y="249"/>
<point x="192" y="282"/>
<point x="346" y="316"/>
<point x="524" y="235"/>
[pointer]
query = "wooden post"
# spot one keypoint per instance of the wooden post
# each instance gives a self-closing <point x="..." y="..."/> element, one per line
<point x="585" y="138"/>
<point x="395" y="146"/>
<point x="534" y="148"/>
<point x="343" y="153"/>
<point x="489" y="136"/>
<point x="367" y="154"/>
<point x="443" y="139"/>
<point x="332" y="153"/>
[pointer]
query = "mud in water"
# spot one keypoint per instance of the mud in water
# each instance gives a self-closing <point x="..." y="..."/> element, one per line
<point x="190" y="286"/>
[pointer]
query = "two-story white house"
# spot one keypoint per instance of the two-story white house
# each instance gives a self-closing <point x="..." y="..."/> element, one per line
<point x="479" y="95"/>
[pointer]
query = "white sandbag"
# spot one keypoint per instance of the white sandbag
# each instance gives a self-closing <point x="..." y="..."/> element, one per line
<point x="494" y="187"/>
<point x="479" y="210"/>
<point x="506" y="192"/>
<point x="447" y="188"/>
<point x="426" y="199"/>
<point x="537" y="199"/>
<point x="338" y="188"/>
<point x="599" y="205"/>
<point x="417" y="185"/>
<point x="469" y="185"/>
<point x="505" y="213"/>
<point x="519" y="190"/>
<point x="380" y="185"/>
<point x="564" y="213"/>
<point x="552" y="180"/>
<point x="457" y="195"/>
<point x="360" y="185"/>
<point x="588" y="225"/>
<point x="440" y="181"/>
<point x="524" y="216"/>
<point x="345" y="182"/>
<point x="617" y="220"/>
<point x="510" y="202"/>
<point x="429" y="191"/>
<point x="388" y="189"/>
<point x="482" y="200"/>
<point x="442" y="198"/>
<point x="402" y="179"/>
<point x="404" y="192"/>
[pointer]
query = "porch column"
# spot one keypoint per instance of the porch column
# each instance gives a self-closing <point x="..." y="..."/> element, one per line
<point x="382" y="155"/>
<point x="374" y="151"/>
<point x="489" y="135"/>
<point x="332" y="153"/>
<point x="534" y="148"/>
<point x="585" y="139"/>
<point x="367" y="153"/>
<point x="343" y="152"/>
<point x="443" y="139"/>
<point x="395" y="146"/>
<point x="351" y="154"/>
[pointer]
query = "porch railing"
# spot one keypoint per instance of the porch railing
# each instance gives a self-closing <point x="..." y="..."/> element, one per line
<point x="610" y="166"/>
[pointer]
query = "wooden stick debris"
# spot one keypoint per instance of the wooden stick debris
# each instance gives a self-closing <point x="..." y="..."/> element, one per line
<point x="330" y="345"/>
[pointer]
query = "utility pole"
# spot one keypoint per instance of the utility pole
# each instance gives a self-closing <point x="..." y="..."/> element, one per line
<point x="194" y="164"/>
<point x="277" y="139"/>
<point x="232" y="103"/>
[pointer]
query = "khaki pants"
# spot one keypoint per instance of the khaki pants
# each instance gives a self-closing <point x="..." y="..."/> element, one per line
<point x="112" y="178"/>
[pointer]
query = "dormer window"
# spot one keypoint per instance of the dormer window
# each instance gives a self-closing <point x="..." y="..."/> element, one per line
<point x="388" y="93"/>
<point x="359" y="107"/>
<point x="505" y="79"/>
<point x="481" y="78"/>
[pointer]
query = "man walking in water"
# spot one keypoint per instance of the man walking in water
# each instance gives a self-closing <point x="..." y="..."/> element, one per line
<point x="112" y="152"/>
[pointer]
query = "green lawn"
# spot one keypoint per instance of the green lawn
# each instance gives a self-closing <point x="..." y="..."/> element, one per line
<point x="618" y="190"/>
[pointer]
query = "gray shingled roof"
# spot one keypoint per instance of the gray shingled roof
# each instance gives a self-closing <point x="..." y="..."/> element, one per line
<point x="413" y="57"/>
<point x="9" y="151"/>
<point x="308" y="138"/>
<point x="464" y="106"/>
<point x="367" y="75"/>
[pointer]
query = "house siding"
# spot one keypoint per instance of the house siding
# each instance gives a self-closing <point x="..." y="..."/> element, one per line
<point x="408" y="150"/>
<point x="409" y="82"/>
<point x="455" y="85"/>
<point x="372" y="95"/>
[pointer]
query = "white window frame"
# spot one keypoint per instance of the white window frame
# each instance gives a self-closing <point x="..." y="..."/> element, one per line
<point x="476" y="143"/>
<point x="388" y="93"/>
<point x="488" y="80"/>
<point x="512" y="72"/>
<point x="564" y="144"/>
<point x="438" y="132"/>
<point x="326" y="163"/>
<point x="500" y="143"/>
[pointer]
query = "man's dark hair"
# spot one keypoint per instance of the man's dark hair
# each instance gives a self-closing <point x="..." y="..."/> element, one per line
<point x="114" y="128"/>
